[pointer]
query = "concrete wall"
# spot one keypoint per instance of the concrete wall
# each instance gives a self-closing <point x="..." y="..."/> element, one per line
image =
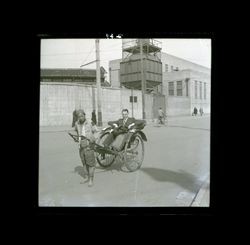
<point x="178" y="106"/>
<point x="137" y="107"/>
<point x="58" y="101"/>
<point x="149" y="100"/>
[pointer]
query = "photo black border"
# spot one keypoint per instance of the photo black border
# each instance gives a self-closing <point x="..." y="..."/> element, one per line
<point x="215" y="164"/>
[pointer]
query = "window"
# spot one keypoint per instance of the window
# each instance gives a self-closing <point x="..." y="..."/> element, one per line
<point x="171" y="88"/>
<point x="179" y="88"/>
<point x="131" y="99"/>
<point x="195" y="90"/>
<point x="200" y="90"/>
<point x="172" y="68"/>
<point x="177" y="68"/>
<point x="186" y="83"/>
<point x="166" y="68"/>
<point x="205" y="91"/>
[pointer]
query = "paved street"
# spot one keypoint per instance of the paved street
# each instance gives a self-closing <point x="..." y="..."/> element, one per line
<point x="175" y="167"/>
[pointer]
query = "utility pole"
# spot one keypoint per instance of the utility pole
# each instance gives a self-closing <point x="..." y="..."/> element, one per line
<point x="98" y="84"/>
<point x="142" y="82"/>
<point x="132" y="95"/>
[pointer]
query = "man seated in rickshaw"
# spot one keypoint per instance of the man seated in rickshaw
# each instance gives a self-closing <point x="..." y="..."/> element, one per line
<point x="120" y="128"/>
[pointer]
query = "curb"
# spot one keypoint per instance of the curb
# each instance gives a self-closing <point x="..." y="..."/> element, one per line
<point x="203" y="196"/>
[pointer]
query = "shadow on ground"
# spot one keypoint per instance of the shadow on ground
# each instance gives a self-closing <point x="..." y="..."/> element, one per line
<point x="184" y="179"/>
<point x="181" y="178"/>
<point x="80" y="171"/>
<point x="116" y="166"/>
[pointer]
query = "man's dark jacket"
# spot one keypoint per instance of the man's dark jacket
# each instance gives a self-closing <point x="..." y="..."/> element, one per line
<point x="119" y="122"/>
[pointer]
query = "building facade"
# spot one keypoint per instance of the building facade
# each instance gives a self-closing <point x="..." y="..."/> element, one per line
<point x="185" y="90"/>
<point x="185" y="84"/>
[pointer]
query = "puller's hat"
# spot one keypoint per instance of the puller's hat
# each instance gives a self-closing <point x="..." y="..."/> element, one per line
<point x="80" y="112"/>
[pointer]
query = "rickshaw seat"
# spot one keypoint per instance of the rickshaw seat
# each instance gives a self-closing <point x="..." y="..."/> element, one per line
<point x="140" y="124"/>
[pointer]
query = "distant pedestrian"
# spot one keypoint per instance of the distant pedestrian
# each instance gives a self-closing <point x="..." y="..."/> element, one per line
<point x="93" y="118"/>
<point x="161" y="116"/>
<point x="195" y="111"/>
<point x="201" y="111"/>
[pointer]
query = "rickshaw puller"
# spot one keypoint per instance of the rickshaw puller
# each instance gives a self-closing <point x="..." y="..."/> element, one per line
<point x="86" y="151"/>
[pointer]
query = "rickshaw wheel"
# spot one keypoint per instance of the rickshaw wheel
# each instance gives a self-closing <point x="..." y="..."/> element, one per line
<point x="134" y="155"/>
<point x="105" y="160"/>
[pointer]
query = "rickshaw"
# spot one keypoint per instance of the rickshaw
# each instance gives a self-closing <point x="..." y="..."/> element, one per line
<point x="131" y="153"/>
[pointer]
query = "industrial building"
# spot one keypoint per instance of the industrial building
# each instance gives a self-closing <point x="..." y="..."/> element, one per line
<point x="81" y="76"/>
<point x="177" y="84"/>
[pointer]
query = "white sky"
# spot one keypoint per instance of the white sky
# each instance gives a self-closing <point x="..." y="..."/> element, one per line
<point x="72" y="53"/>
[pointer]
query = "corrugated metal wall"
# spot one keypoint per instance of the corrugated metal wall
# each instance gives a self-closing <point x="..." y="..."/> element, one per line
<point x="131" y="70"/>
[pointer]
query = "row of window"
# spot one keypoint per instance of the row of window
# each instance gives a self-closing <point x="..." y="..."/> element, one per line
<point x="172" y="68"/>
<point x="182" y="89"/>
<point x="199" y="83"/>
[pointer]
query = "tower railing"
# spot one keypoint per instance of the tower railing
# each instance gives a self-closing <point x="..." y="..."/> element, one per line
<point x="136" y="42"/>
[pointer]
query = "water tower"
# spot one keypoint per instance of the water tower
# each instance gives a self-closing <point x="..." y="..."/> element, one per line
<point x="130" y="66"/>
